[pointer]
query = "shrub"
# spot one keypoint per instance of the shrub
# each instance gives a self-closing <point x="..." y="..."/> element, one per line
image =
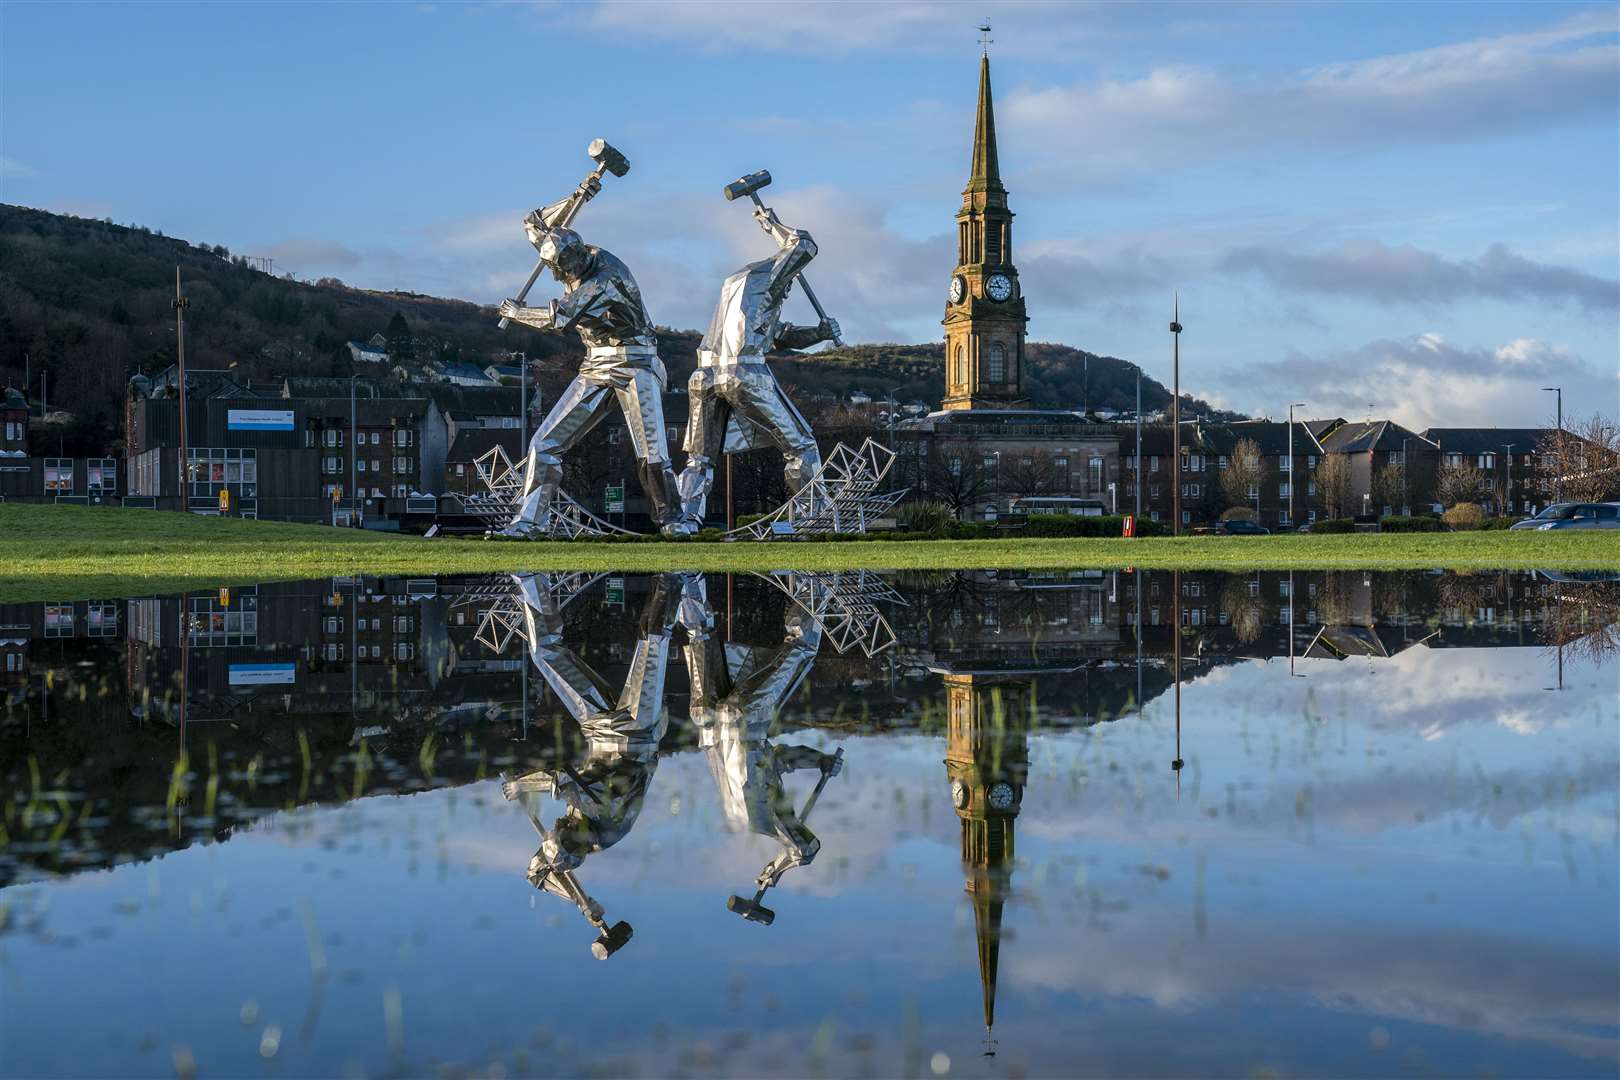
<point x="925" y="516"/>
<point x="1465" y="516"/>
<point x="1414" y="523"/>
<point x="1239" y="513"/>
<point x="1334" y="525"/>
<point x="1052" y="526"/>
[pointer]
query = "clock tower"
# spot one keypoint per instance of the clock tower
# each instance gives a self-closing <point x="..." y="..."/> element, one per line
<point x="984" y="309"/>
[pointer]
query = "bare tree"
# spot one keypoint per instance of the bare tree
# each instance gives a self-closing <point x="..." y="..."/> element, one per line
<point x="1459" y="483"/>
<point x="956" y="478"/>
<point x="1033" y="472"/>
<point x="1582" y="462"/>
<point x="1389" y="486"/>
<point x="1244" y="474"/>
<point x="1333" y="483"/>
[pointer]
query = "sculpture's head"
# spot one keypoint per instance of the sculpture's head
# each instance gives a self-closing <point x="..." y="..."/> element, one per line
<point x="562" y="250"/>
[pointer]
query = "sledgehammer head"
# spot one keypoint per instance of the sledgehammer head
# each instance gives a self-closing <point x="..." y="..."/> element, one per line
<point x="752" y="910"/>
<point x="741" y="189"/>
<point x="611" y="940"/>
<point x="607" y="157"/>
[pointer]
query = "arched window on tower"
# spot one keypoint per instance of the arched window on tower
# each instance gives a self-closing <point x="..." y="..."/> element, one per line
<point x="998" y="364"/>
<point x="960" y="375"/>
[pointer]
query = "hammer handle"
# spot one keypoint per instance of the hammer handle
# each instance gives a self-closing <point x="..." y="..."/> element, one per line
<point x="568" y="219"/>
<point x="804" y="283"/>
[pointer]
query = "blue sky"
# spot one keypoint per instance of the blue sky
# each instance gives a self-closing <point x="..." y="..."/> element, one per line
<point x="1414" y="206"/>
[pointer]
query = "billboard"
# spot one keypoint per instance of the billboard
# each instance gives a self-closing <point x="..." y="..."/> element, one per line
<point x="259" y="419"/>
<point x="263" y="674"/>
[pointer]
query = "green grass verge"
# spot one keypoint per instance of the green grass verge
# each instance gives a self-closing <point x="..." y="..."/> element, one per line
<point x="71" y="552"/>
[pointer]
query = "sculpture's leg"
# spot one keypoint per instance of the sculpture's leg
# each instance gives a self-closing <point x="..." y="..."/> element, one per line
<point x="643" y="404"/>
<point x="759" y="398"/>
<point x="580" y="408"/>
<point x="705" y="442"/>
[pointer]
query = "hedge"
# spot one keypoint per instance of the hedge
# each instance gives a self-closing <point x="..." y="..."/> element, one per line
<point x="1334" y="525"/>
<point x="1415" y="523"/>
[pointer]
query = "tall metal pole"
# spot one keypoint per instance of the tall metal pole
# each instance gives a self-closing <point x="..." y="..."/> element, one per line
<point x="180" y="303"/>
<point x="1558" y="466"/>
<point x="1507" y="487"/>
<point x="1292" y="471"/>
<point x="354" y="451"/>
<point x="1175" y="422"/>
<point x="1138" y="469"/>
<point x="523" y="403"/>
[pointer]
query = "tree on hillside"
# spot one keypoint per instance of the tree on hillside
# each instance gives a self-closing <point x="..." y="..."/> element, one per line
<point x="1333" y="483"/>
<point x="1245" y="472"/>
<point x="1459" y="483"/>
<point x="401" y="346"/>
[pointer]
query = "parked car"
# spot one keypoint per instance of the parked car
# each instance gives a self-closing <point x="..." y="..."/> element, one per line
<point x="1573" y="515"/>
<point x="1232" y="528"/>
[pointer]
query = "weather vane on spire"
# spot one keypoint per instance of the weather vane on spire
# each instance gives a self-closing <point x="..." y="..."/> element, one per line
<point x="984" y="37"/>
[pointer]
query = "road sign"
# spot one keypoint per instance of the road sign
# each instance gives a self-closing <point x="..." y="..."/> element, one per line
<point x="615" y="591"/>
<point x="615" y="499"/>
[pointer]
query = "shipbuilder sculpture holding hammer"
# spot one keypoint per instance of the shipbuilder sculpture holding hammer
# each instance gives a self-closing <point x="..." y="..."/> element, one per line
<point x="602" y="302"/>
<point x="733" y="379"/>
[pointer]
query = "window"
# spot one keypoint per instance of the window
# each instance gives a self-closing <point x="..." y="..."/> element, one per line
<point x="1310" y="515"/>
<point x="1094" y="473"/>
<point x="404" y="651"/>
<point x="1153" y="463"/>
<point x="1254" y="587"/>
<point x="1254" y="490"/>
<point x="613" y="435"/>
<point x="1189" y="490"/>
<point x="1285" y="464"/>
<point x="58" y="620"/>
<point x="1487" y="461"/>
<point x="1060" y="463"/>
<point x="359" y="466"/>
<point x="1310" y="461"/>
<point x="954" y="466"/>
<point x="1394" y="457"/>
<point x="1310" y="488"/>
<point x="1186" y="517"/>
<point x="59" y="476"/>
<point x="1282" y="490"/>
<point x="989" y="462"/>
<point x="1283" y="518"/>
<point x="14" y="431"/>
<point x="402" y="438"/>
<point x="1153" y="515"/>
<point x="1453" y="459"/>
<point x="402" y="464"/>
<point x="998" y="363"/>
<point x="1195" y="463"/>
<point x="1153" y="493"/>
<point x="1223" y="461"/>
<point x="101" y="474"/>
<point x="376" y="438"/>
<point x="1282" y="587"/>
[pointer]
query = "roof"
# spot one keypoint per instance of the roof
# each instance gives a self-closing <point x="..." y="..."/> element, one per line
<point x="1361" y="436"/>
<point x="1319" y="428"/>
<point x="322" y="386"/>
<point x="465" y="370"/>
<point x="471" y="443"/>
<point x="1271" y="436"/>
<point x="366" y="346"/>
<point x="986" y="169"/>
<point x="477" y="400"/>
<point x="367" y="412"/>
<point x="1486" y="440"/>
<point x="15" y="399"/>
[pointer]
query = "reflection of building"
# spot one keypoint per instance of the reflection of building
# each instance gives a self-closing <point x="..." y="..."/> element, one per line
<point x="987" y="763"/>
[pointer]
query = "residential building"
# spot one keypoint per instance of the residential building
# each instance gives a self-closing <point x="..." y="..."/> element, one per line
<point x="1391" y="468"/>
<point x="1505" y="459"/>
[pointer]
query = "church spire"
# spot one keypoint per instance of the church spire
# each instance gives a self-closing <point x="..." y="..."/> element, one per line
<point x="986" y="175"/>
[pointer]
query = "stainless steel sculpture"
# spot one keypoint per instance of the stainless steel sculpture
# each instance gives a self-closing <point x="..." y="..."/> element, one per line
<point x="843" y="496"/>
<point x="736" y="401"/>
<point x="844" y="606"/>
<point x="602" y="302"/>
<point x="605" y="788"/>
<point x="733" y="709"/>
<point x="503" y="498"/>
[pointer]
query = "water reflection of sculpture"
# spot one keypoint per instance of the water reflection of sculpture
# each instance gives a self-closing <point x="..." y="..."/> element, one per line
<point x="603" y="789"/>
<point x="736" y="693"/>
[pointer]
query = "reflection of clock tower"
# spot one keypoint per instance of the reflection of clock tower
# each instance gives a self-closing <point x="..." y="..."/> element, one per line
<point x="984" y="315"/>
<point x="987" y="761"/>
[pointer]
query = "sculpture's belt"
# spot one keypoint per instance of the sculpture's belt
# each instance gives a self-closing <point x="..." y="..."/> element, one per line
<point x="615" y="363"/>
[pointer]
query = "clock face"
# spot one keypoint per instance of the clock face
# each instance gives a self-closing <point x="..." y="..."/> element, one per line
<point x="1001" y="796"/>
<point x="958" y="289"/>
<point x="999" y="287"/>
<point x="959" y="794"/>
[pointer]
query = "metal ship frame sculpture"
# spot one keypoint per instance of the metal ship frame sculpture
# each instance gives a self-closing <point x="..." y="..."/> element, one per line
<point x="737" y="404"/>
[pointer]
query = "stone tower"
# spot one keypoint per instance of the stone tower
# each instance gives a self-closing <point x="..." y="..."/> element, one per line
<point x="987" y="762"/>
<point x="984" y="309"/>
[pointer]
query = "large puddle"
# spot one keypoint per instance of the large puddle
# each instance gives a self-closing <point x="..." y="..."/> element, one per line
<point x="1031" y="824"/>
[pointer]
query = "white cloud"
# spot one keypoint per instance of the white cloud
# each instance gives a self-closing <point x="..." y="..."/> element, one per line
<point x="1425" y="381"/>
<point x="1101" y="132"/>
<point x="1405" y="275"/>
<point x="12" y="169"/>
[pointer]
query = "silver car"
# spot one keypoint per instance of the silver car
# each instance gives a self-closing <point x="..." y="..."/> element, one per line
<point x="1574" y="515"/>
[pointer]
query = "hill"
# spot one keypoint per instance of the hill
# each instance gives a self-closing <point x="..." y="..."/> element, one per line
<point x="88" y="301"/>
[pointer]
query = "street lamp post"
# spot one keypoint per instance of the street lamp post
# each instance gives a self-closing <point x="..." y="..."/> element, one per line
<point x="354" y="451"/>
<point x="1136" y="470"/>
<point x="1292" y="479"/>
<point x="180" y="303"/>
<point x="1507" y="485"/>
<point x="1558" y="465"/>
<point x="1175" y="421"/>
